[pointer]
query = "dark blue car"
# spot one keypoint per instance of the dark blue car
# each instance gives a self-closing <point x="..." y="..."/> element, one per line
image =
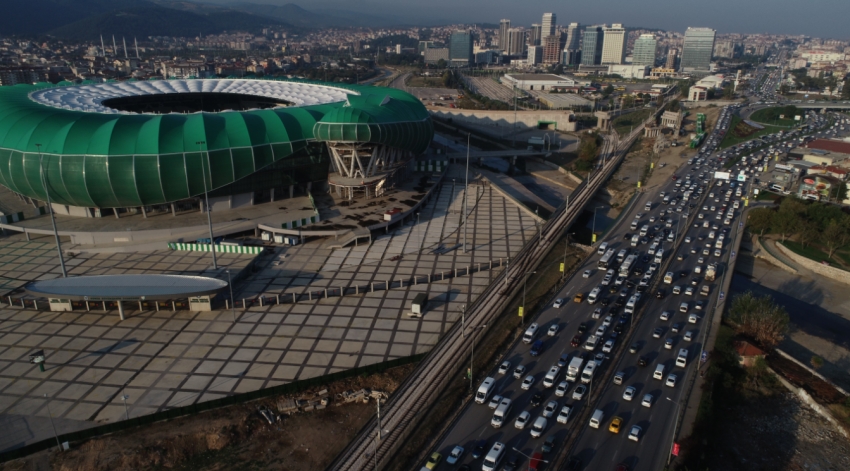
<point x="536" y="348"/>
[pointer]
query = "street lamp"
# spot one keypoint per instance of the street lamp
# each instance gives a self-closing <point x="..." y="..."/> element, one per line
<point x="230" y="285"/>
<point x="527" y="457"/>
<point x="50" y="209"/>
<point x="472" y="353"/>
<point x="466" y="192"/>
<point x="675" y="421"/>
<point x="207" y="200"/>
<point x="47" y="403"/>
<point x="524" y="283"/>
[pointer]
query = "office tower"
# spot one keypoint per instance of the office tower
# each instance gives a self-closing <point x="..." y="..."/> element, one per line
<point x="697" y="49"/>
<point x="460" y="48"/>
<point x="516" y="42"/>
<point x="535" y="55"/>
<point x="504" y="26"/>
<point x="672" y="55"/>
<point x="591" y="48"/>
<point x="572" y="45"/>
<point x="552" y="47"/>
<point x="535" y="35"/>
<point x="614" y="45"/>
<point x="548" y="24"/>
<point x="644" y="52"/>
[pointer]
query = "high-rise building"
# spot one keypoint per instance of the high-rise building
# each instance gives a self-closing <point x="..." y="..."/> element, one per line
<point x="516" y="42"/>
<point x="591" y="47"/>
<point x="552" y="47"/>
<point x="504" y="26"/>
<point x="548" y="24"/>
<point x="672" y="55"/>
<point x="572" y="45"/>
<point x="535" y="34"/>
<point x="460" y="48"/>
<point x="697" y="49"/>
<point x="535" y="55"/>
<point x="644" y="52"/>
<point x="614" y="45"/>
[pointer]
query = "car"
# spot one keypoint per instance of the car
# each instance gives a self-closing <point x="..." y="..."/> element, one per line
<point x="607" y="321"/>
<point x="519" y="371"/>
<point x="564" y="414"/>
<point x="614" y="427"/>
<point x="660" y="294"/>
<point x="579" y="392"/>
<point x="642" y="361"/>
<point x="600" y="331"/>
<point x="647" y="400"/>
<point x="433" y="460"/>
<point x="539" y="427"/>
<point x="586" y="274"/>
<point x="668" y="344"/>
<point x="656" y="334"/>
<point x="562" y="388"/>
<point x="495" y="401"/>
<point x="676" y="327"/>
<point x="511" y="464"/>
<point x="536" y="399"/>
<point x="563" y="360"/>
<point x="629" y="393"/>
<point x="609" y="345"/>
<point x="527" y="382"/>
<point x="671" y="380"/>
<point x="599" y="358"/>
<point x="699" y="305"/>
<point x="558" y="303"/>
<point x="576" y="341"/>
<point x="689" y="335"/>
<point x="522" y="420"/>
<point x="665" y="315"/>
<point x="634" y="433"/>
<point x="548" y="444"/>
<point x="633" y="348"/>
<point x="619" y="281"/>
<point x="455" y="455"/>
<point x="553" y="330"/>
<point x="504" y="367"/>
<point x="536" y="348"/>
<point x="549" y="409"/>
<point x="597" y="313"/>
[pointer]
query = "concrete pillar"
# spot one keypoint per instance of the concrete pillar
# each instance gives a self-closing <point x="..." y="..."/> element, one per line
<point x="341" y="291"/>
<point x="87" y="306"/>
<point x="261" y="300"/>
<point x="294" y="298"/>
<point x="173" y="210"/>
<point x="292" y="191"/>
<point x="27" y="234"/>
<point x="103" y="303"/>
<point x="156" y="305"/>
<point x="140" y="306"/>
<point x="115" y="211"/>
<point x="144" y="213"/>
<point x="272" y="194"/>
<point x="121" y="310"/>
<point x="277" y="298"/>
<point x="173" y="306"/>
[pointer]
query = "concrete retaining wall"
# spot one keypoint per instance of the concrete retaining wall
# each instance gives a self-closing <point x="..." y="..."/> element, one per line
<point x="564" y="120"/>
<point x="830" y="272"/>
<point x="765" y="254"/>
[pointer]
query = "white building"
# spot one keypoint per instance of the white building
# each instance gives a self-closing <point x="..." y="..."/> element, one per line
<point x="540" y="81"/>
<point x="614" y="44"/>
<point x="629" y="71"/>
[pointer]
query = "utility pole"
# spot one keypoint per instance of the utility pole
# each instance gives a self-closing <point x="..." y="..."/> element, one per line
<point x="207" y="201"/>
<point x="466" y="193"/>
<point x="50" y="210"/>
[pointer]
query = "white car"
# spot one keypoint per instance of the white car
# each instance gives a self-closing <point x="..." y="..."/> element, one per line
<point x="688" y="240"/>
<point x="689" y="291"/>
<point x="494" y="403"/>
<point x="634" y="433"/>
<point x="558" y="303"/>
<point x="665" y="315"/>
<point x="629" y="393"/>
<point x="504" y="367"/>
<point x="689" y="335"/>
<point x="562" y="388"/>
<point x="564" y="415"/>
<point x="671" y="380"/>
<point x="527" y="382"/>
<point x="522" y="420"/>
<point x="607" y="321"/>
<point x="578" y="393"/>
<point x="586" y="274"/>
<point x="455" y="455"/>
<point x="607" y="280"/>
<point x="553" y="329"/>
<point x="519" y="371"/>
<point x="647" y="400"/>
<point x="609" y="345"/>
<point x="539" y="427"/>
<point x="550" y="409"/>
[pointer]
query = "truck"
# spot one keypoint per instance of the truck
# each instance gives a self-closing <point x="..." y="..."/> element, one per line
<point x="710" y="272"/>
<point x="574" y="368"/>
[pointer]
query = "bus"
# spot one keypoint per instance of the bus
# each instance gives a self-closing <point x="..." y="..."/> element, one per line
<point x="606" y="259"/>
<point x="627" y="265"/>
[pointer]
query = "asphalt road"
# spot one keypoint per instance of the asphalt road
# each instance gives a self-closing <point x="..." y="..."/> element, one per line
<point x="600" y="449"/>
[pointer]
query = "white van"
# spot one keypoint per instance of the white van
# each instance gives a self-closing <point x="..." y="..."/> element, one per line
<point x="682" y="359"/>
<point x="485" y="390"/>
<point x="635" y="240"/>
<point x="631" y="303"/>
<point x="602" y="247"/>
<point x="621" y="255"/>
<point x="648" y="206"/>
<point x="644" y="229"/>
<point x="634" y="225"/>
<point x="668" y="277"/>
<point x="597" y="418"/>
<point x="589" y="370"/>
<point x="591" y="298"/>
<point x="659" y="372"/>
<point x="501" y="413"/>
<point x="551" y="376"/>
<point x="659" y="255"/>
<point x="494" y="457"/>
<point x="530" y="332"/>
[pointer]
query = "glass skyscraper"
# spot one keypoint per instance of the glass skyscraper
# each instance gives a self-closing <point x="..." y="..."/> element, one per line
<point x="644" y="52"/>
<point x="460" y="48"/>
<point x="591" y="48"/>
<point x="697" y="49"/>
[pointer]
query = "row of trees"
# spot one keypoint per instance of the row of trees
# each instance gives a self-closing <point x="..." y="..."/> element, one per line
<point x="587" y="150"/>
<point x="759" y="318"/>
<point x="809" y="223"/>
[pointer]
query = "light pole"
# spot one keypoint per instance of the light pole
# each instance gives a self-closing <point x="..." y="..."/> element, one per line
<point x="207" y="200"/>
<point x="593" y="231"/>
<point x="52" y="424"/>
<point x="50" y="209"/>
<point x="472" y="352"/>
<point x="466" y="193"/>
<point x="524" y="283"/>
<point x="230" y="285"/>
<point x="675" y="422"/>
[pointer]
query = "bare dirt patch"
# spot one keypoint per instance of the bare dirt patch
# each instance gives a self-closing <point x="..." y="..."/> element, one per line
<point x="231" y="438"/>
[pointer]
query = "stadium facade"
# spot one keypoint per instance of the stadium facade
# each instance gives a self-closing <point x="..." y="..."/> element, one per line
<point x="145" y="143"/>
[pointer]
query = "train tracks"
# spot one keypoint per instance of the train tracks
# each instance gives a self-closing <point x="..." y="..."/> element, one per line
<point x="406" y="407"/>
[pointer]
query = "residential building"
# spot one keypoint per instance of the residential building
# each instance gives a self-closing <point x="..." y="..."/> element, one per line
<point x="644" y="51"/>
<point x="549" y="21"/>
<point x="425" y="45"/>
<point x="552" y="47"/>
<point x="535" y="35"/>
<point x="697" y="49"/>
<point x="614" y="45"/>
<point x="672" y="56"/>
<point x="504" y="26"/>
<point x="591" y="49"/>
<point x="185" y="70"/>
<point x="21" y="75"/>
<point x="535" y="55"/>
<point x="697" y="93"/>
<point x="460" y="48"/>
<point x="516" y="42"/>
<point x="434" y="54"/>
<point x="572" y="45"/>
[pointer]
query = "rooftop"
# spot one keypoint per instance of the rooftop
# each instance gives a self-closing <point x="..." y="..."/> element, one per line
<point x="539" y="77"/>
<point x="830" y="145"/>
<point x="126" y="287"/>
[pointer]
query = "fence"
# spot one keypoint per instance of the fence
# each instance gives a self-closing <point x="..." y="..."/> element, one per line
<point x="246" y="249"/>
<point x="289" y="388"/>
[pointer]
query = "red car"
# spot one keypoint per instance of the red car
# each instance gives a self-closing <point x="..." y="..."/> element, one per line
<point x="675" y="177"/>
<point x="575" y="341"/>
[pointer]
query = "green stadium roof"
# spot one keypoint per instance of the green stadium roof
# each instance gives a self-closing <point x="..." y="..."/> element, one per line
<point x="112" y="159"/>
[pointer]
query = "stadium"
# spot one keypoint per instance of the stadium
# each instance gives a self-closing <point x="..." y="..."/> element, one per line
<point x="102" y="147"/>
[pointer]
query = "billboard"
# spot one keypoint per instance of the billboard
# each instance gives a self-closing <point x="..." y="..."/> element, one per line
<point x="721" y="175"/>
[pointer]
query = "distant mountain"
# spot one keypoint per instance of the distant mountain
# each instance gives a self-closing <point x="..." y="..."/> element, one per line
<point x="154" y="20"/>
<point x="40" y="16"/>
<point x="315" y="18"/>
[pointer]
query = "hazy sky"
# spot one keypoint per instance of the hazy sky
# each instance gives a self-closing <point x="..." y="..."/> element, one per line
<point x="821" y="18"/>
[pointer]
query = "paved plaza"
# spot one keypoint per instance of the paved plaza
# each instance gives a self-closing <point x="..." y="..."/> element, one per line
<point x="168" y="359"/>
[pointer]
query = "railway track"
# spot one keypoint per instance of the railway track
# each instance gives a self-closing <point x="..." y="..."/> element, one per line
<point x="405" y="408"/>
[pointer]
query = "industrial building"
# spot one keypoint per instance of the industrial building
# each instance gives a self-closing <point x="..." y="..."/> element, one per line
<point x="540" y="81"/>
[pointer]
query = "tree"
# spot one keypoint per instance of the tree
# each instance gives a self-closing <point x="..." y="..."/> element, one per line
<point x="441" y="64"/>
<point x="760" y="220"/>
<point x="808" y="234"/>
<point x="760" y="318"/>
<point x="834" y="236"/>
<point x="786" y="223"/>
<point x="607" y="91"/>
<point x="729" y="92"/>
<point x="816" y="362"/>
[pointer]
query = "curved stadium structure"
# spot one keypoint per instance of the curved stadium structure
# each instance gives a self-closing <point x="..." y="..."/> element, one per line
<point x="142" y="143"/>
